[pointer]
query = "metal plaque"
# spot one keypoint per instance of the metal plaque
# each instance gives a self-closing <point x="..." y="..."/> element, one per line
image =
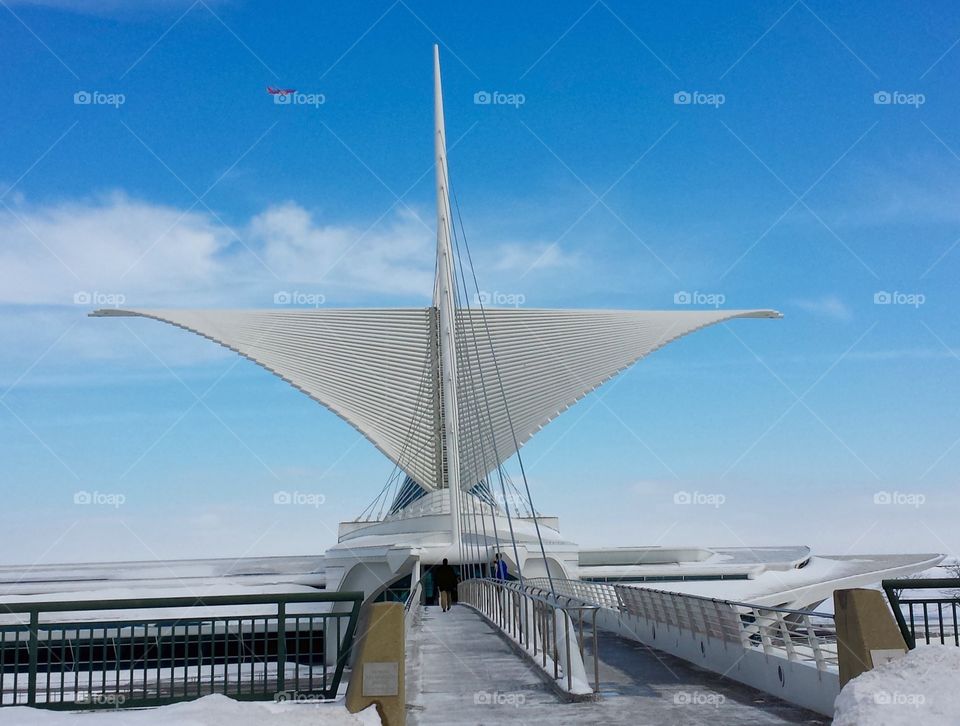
<point x="381" y="679"/>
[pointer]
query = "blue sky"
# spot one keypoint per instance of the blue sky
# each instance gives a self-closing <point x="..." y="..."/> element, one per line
<point x="786" y="182"/>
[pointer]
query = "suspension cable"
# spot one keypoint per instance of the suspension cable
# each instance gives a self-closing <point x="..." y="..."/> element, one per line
<point x="499" y="468"/>
<point x="496" y="367"/>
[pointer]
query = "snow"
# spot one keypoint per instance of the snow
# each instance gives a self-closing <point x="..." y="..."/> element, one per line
<point x="10" y="615"/>
<point x="799" y="587"/>
<point x="213" y="710"/>
<point x="919" y="688"/>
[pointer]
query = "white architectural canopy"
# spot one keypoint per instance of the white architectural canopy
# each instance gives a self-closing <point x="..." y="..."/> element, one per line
<point x="446" y="392"/>
<point x="377" y="368"/>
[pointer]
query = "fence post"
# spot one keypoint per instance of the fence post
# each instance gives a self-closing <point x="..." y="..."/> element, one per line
<point x="33" y="645"/>
<point x="596" y="656"/>
<point x="282" y="647"/>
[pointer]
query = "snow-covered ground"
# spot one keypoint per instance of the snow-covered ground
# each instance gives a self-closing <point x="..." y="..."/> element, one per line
<point x="919" y="689"/>
<point x="208" y="711"/>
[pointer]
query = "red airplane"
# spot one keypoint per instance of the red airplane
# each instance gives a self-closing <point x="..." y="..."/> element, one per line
<point x="280" y="91"/>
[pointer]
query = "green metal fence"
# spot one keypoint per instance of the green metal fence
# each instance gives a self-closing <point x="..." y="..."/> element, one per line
<point x="104" y="654"/>
<point x="929" y="618"/>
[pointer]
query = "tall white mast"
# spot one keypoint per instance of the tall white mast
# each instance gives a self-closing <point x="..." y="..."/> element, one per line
<point x="444" y="300"/>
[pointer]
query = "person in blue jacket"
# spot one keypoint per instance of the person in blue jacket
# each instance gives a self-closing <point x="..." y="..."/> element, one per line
<point x="499" y="567"/>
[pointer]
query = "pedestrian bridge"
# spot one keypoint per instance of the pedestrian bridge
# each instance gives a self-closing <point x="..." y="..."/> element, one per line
<point x="612" y="652"/>
<point x="461" y="669"/>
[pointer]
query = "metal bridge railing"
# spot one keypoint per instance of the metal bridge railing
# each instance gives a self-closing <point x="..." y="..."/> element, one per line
<point x="88" y="654"/>
<point x="551" y="630"/>
<point x="930" y="618"/>
<point x="599" y="593"/>
<point x="410" y="604"/>
<point x="797" y="635"/>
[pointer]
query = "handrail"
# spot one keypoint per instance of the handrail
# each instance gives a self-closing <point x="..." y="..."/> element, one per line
<point x="543" y="595"/>
<point x="690" y="596"/>
<point x="132" y="603"/>
<point x="798" y="635"/>
<point x="413" y="596"/>
<point x="894" y="588"/>
<point x="157" y="657"/>
<point x="550" y="632"/>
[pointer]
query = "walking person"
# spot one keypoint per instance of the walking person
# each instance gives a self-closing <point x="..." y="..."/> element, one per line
<point x="446" y="578"/>
<point x="499" y="567"/>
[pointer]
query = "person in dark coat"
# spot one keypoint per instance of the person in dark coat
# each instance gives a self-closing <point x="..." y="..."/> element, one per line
<point x="446" y="578"/>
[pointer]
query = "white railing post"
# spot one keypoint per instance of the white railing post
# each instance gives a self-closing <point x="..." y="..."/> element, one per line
<point x="814" y="643"/>
<point x="787" y="639"/>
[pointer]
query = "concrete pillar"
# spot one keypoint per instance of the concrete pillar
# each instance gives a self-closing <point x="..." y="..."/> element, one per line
<point x="867" y="633"/>
<point x="378" y="676"/>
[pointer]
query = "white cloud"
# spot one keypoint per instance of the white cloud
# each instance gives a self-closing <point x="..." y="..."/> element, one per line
<point x="919" y="192"/>
<point x="154" y="255"/>
<point x="523" y="258"/>
<point x="395" y="258"/>
<point x="160" y="255"/>
<point x="112" y="245"/>
<point x="828" y="306"/>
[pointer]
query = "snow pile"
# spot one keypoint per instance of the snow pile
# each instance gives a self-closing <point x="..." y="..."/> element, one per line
<point x="213" y="710"/>
<point x="919" y="688"/>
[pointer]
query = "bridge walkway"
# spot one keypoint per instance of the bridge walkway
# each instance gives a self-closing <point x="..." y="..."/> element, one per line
<point x="461" y="670"/>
